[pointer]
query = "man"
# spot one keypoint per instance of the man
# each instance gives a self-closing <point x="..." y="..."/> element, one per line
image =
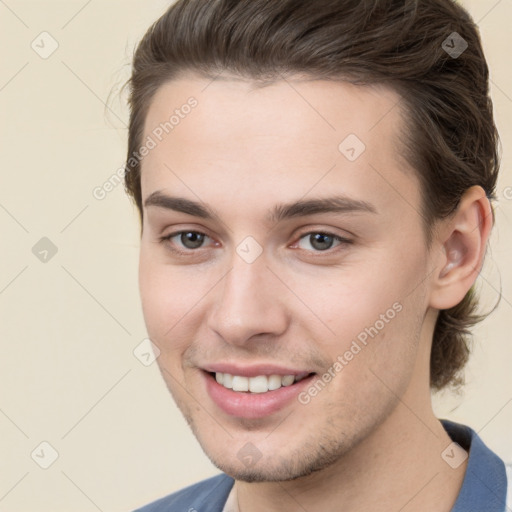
<point x="314" y="183"/>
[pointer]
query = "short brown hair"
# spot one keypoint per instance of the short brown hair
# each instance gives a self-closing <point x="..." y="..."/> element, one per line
<point x="452" y="141"/>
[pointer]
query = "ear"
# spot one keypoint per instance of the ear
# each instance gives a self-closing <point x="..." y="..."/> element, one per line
<point x="462" y="240"/>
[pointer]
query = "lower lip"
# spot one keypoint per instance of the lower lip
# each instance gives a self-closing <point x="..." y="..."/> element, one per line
<point x="253" y="405"/>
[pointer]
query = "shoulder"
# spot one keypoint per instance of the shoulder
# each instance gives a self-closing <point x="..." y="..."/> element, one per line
<point x="213" y="492"/>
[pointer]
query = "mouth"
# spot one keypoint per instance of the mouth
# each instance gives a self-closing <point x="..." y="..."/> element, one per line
<point x="255" y="396"/>
<point x="257" y="384"/>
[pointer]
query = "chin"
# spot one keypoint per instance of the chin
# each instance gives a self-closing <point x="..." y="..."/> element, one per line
<point x="285" y="467"/>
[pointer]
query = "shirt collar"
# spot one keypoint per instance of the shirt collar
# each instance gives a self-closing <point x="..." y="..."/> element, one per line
<point x="485" y="482"/>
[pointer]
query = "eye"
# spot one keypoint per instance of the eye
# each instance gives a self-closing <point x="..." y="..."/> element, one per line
<point x="189" y="240"/>
<point x="320" y="241"/>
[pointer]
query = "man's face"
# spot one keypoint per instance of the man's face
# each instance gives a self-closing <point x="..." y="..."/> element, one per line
<point x="259" y="291"/>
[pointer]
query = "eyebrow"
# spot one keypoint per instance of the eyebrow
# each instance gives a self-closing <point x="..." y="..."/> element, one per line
<point x="301" y="208"/>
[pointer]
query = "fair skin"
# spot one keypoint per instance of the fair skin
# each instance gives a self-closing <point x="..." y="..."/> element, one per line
<point x="369" y="439"/>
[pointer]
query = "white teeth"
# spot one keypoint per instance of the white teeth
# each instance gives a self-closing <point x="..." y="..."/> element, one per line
<point x="259" y="384"/>
<point x="227" y="380"/>
<point x="288" y="380"/>
<point x="240" y="383"/>
<point x="274" y="382"/>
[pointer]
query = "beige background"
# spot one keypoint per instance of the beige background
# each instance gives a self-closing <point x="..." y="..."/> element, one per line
<point x="69" y="326"/>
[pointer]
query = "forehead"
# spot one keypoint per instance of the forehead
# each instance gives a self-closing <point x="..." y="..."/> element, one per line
<point x="318" y="111"/>
<point x="277" y="141"/>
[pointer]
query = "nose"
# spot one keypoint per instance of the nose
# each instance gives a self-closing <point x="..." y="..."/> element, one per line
<point x="248" y="303"/>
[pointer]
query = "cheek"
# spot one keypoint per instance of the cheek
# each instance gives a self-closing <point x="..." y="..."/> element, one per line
<point x="371" y="312"/>
<point x="349" y="303"/>
<point x="167" y="297"/>
<point x="374" y="367"/>
<point x="390" y="339"/>
<point x="162" y="309"/>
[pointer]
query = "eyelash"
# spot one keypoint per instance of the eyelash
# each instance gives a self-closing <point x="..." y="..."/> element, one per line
<point x="342" y="241"/>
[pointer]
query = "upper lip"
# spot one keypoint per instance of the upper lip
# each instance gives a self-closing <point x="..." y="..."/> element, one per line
<point x="253" y="370"/>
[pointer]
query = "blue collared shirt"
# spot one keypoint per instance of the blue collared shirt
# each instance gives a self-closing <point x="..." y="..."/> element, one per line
<point x="484" y="488"/>
<point x="485" y="483"/>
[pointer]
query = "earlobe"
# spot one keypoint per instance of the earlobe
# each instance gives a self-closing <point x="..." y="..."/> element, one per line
<point x="464" y="238"/>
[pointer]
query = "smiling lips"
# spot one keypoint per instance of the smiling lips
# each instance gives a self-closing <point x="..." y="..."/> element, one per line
<point x="257" y="384"/>
<point x="255" y="390"/>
